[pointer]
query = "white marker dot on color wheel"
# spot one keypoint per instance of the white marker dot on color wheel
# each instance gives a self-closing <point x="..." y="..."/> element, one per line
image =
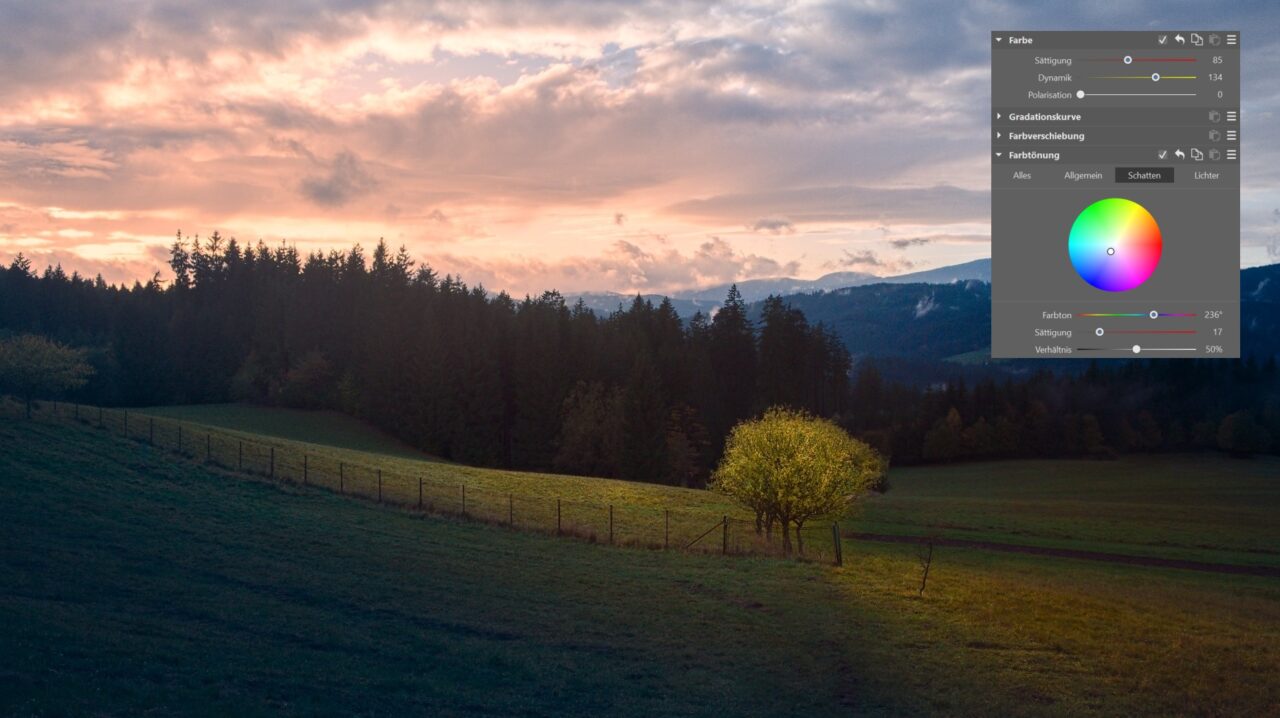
<point x="1111" y="250"/>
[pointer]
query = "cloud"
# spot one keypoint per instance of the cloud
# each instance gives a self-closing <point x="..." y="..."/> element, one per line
<point x="941" y="204"/>
<point x="868" y="261"/>
<point x="346" y="180"/>
<point x="773" y="226"/>
<point x="54" y="160"/>
<point x="521" y="123"/>
<point x="910" y="242"/>
<point x="623" y="267"/>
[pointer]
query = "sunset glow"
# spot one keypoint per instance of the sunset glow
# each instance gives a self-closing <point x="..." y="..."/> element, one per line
<point x="526" y="146"/>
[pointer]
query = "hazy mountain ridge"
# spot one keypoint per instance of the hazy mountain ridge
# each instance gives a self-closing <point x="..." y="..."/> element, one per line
<point x="923" y="319"/>
<point x="939" y="321"/>
<point x="688" y="302"/>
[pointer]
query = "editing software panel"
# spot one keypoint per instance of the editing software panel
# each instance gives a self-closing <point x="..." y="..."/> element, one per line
<point x="1115" y="194"/>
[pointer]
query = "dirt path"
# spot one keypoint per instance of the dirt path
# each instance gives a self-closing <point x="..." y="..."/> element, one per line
<point x="1269" y="571"/>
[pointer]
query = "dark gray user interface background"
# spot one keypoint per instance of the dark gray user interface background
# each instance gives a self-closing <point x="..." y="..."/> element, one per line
<point x="1032" y="215"/>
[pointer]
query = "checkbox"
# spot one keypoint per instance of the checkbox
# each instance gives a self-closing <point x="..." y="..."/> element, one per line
<point x="1162" y="39"/>
<point x="1163" y="154"/>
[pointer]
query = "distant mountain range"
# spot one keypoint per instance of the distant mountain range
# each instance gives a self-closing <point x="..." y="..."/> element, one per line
<point x="937" y="323"/>
<point x="689" y="302"/>
<point x="929" y="331"/>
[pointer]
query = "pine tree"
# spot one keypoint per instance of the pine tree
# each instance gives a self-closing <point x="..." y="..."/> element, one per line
<point x="644" y="424"/>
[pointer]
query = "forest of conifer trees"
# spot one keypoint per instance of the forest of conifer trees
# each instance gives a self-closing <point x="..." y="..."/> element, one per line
<point x="534" y="383"/>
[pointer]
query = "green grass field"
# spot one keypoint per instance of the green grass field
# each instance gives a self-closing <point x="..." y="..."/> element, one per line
<point x="644" y="514"/>
<point x="132" y="581"/>
<point x="1204" y="507"/>
<point x="330" y="428"/>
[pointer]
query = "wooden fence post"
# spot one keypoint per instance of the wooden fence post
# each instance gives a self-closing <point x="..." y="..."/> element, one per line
<point x="342" y="478"/>
<point x="557" y="517"/>
<point x="464" y="499"/>
<point x="511" y="510"/>
<point x="610" y="524"/>
<point x="240" y="456"/>
<point x="379" y="485"/>
<point x="835" y="538"/>
<point x="666" y="529"/>
<point x="419" y="493"/>
<point x="273" y="462"/>
<point x="304" y="470"/>
<point x="724" y="542"/>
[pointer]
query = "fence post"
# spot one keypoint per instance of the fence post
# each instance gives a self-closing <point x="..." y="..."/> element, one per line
<point x="419" y="493"/>
<point x="379" y="485"/>
<point x="151" y="431"/>
<point x="464" y="499"/>
<point x="835" y="538"/>
<point x="511" y="510"/>
<point x="557" y="517"/>
<point x="342" y="478"/>
<point x="240" y="456"/>
<point x="666" y="529"/>
<point x="273" y="462"/>
<point x="724" y="542"/>
<point x="610" y="524"/>
<point x="304" y="470"/>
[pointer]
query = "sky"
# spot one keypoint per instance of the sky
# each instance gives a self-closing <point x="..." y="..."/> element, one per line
<point x="607" y="145"/>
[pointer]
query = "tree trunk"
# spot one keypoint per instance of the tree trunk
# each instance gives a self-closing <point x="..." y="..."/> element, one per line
<point x="799" y="538"/>
<point x="759" y="522"/>
<point x="786" y="538"/>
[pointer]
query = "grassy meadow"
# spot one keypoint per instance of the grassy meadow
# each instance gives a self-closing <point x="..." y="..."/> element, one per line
<point x="1204" y="507"/>
<point x="329" y="428"/>
<point x="1201" y="507"/>
<point x="135" y="581"/>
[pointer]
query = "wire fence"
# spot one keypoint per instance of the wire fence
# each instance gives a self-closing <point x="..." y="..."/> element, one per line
<point x="635" y="525"/>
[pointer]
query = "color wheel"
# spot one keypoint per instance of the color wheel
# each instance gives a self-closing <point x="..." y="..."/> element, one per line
<point x="1115" y="244"/>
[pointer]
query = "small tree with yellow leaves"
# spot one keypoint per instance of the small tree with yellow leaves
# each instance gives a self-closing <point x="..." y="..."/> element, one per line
<point x="792" y="467"/>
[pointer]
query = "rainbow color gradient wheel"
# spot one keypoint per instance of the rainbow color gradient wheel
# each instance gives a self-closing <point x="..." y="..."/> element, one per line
<point x="1115" y="244"/>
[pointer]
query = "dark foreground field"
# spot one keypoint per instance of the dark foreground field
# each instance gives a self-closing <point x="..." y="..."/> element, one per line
<point x="132" y="582"/>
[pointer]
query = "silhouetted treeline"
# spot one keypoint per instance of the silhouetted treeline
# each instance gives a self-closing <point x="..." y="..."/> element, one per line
<point x="1114" y="407"/>
<point x="482" y="379"/>
<point x="536" y="384"/>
